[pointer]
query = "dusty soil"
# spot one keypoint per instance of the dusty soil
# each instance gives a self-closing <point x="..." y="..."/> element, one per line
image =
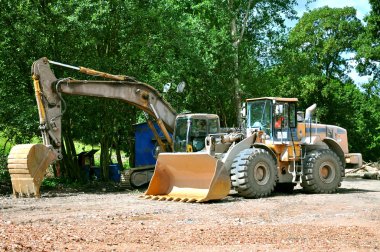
<point x="121" y="221"/>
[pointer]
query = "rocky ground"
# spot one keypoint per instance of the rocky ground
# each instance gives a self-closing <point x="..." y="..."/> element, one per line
<point x="121" y="221"/>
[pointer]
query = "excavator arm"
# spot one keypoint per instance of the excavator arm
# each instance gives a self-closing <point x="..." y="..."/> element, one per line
<point x="27" y="163"/>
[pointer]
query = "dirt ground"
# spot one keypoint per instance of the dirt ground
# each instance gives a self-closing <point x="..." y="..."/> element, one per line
<point x="346" y="221"/>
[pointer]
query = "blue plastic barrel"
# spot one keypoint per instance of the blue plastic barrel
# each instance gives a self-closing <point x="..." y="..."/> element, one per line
<point x="114" y="172"/>
<point x="86" y="171"/>
<point x="96" y="172"/>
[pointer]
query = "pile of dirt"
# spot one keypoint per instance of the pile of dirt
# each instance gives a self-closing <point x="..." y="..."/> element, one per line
<point x="366" y="171"/>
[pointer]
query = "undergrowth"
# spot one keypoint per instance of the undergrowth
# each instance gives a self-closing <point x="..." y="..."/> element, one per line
<point x="69" y="185"/>
<point x="4" y="174"/>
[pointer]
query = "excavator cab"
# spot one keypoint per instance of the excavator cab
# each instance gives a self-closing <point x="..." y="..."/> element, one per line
<point x="275" y="116"/>
<point x="191" y="130"/>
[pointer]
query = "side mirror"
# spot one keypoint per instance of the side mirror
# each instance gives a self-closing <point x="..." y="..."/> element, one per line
<point x="300" y="116"/>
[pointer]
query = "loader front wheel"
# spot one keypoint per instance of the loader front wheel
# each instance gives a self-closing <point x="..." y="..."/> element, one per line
<point x="253" y="173"/>
<point x="322" y="172"/>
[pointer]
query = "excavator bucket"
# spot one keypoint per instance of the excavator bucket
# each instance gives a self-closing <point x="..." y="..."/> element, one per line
<point x="188" y="177"/>
<point x="27" y="164"/>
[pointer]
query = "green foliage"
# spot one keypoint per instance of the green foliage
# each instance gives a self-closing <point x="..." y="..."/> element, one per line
<point x="367" y="44"/>
<point x="324" y="36"/>
<point x="4" y="174"/>
<point x="314" y="67"/>
<point x="5" y="145"/>
<point x="192" y="41"/>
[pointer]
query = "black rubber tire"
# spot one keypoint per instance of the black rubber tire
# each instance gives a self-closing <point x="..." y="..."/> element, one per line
<point x="254" y="173"/>
<point x="322" y="172"/>
<point x="284" y="187"/>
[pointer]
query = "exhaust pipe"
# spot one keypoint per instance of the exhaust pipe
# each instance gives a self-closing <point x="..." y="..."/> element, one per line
<point x="309" y="112"/>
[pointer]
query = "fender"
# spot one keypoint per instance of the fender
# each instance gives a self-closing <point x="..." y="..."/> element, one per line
<point x="228" y="158"/>
<point x="334" y="146"/>
<point x="265" y="147"/>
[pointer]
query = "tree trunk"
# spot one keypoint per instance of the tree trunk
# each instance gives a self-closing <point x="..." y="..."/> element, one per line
<point x="69" y="164"/>
<point x="105" y="144"/>
<point x="235" y="50"/>
<point x="237" y="37"/>
<point x="237" y="84"/>
<point x="118" y="152"/>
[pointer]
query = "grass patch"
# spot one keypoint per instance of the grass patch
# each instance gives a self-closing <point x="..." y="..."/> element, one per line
<point x="4" y="143"/>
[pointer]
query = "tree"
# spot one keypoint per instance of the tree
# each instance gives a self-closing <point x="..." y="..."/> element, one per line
<point x="259" y="21"/>
<point x="313" y="66"/>
<point x="315" y="56"/>
<point x="368" y="57"/>
<point x="368" y="48"/>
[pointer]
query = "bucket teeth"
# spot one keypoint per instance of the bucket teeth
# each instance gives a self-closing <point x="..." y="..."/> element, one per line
<point x="169" y="198"/>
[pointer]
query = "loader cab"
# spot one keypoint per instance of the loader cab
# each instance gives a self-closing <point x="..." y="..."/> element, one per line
<point x="276" y="117"/>
<point x="191" y="130"/>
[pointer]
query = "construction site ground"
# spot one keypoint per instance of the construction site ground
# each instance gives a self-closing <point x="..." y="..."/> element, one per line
<point x="121" y="221"/>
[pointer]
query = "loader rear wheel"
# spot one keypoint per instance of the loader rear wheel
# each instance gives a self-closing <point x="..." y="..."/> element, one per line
<point x="253" y="173"/>
<point x="322" y="172"/>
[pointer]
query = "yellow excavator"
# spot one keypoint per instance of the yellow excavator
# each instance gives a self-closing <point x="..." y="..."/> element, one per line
<point x="27" y="163"/>
<point x="276" y="149"/>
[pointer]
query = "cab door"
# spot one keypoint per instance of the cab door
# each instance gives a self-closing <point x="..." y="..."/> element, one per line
<point x="284" y="121"/>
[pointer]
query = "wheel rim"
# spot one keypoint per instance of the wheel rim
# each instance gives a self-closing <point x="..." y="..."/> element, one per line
<point x="326" y="172"/>
<point x="261" y="173"/>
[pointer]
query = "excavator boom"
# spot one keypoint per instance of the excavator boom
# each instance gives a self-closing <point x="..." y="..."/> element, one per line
<point x="27" y="163"/>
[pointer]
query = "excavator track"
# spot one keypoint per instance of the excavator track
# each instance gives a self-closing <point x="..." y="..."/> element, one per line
<point x="125" y="180"/>
<point x="27" y="164"/>
<point x="137" y="177"/>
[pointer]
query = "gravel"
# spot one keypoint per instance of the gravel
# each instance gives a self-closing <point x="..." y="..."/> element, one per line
<point x="121" y="221"/>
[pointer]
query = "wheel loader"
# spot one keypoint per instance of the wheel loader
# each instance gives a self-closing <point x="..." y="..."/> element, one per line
<point x="277" y="149"/>
<point x="27" y="163"/>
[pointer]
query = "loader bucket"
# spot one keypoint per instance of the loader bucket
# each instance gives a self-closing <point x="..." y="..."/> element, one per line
<point x="188" y="177"/>
<point x="27" y="164"/>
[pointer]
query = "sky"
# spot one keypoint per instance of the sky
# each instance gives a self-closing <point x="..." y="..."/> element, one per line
<point x="362" y="9"/>
<point x="362" y="6"/>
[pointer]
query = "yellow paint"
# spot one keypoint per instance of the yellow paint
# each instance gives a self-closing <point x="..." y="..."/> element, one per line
<point x="301" y="130"/>
<point x="190" y="177"/>
<point x="41" y="109"/>
<point x="156" y="136"/>
<point x="165" y="132"/>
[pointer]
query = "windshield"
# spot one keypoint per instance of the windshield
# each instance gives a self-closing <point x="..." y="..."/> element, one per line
<point x="259" y="114"/>
<point x="213" y="126"/>
<point x="193" y="131"/>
